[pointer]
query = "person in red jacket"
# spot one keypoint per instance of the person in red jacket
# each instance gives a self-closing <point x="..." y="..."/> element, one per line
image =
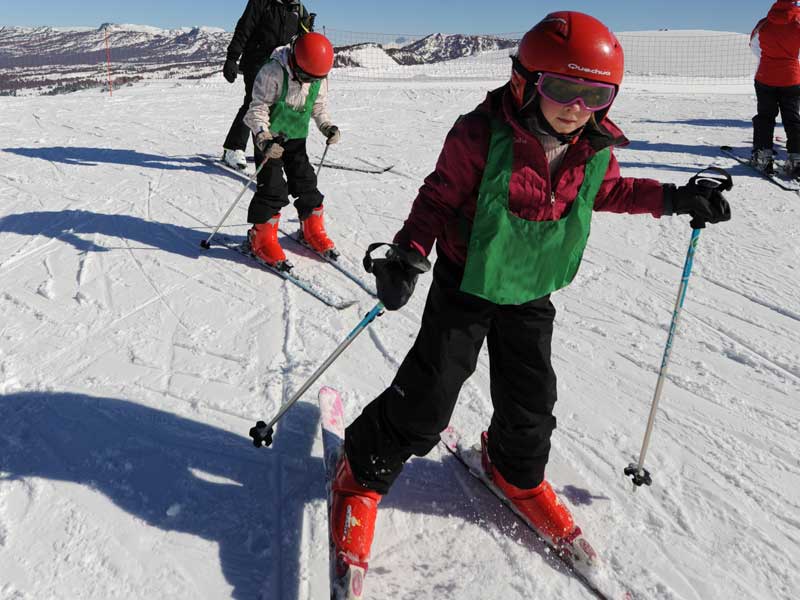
<point x="776" y="42"/>
<point x="509" y="205"/>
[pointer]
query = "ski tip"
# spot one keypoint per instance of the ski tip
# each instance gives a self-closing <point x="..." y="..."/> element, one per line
<point x="332" y="398"/>
<point x="327" y="392"/>
<point x="450" y="438"/>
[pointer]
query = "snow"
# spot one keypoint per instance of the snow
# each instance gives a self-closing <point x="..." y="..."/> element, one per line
<point x="133" y="363"/>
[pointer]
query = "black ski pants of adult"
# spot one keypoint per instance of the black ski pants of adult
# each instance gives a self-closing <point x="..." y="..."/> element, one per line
<point x="408" y="416"/>
<point x="239" y="132"/>
<point x="272" y="190"/>
<point x="771" y="100"/>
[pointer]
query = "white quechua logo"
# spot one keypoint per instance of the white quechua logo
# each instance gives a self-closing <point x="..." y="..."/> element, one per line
<point x="588" y="70"/>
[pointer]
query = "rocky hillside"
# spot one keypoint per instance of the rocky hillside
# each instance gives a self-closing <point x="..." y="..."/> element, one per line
<point x="46" y="60"/>
<point x="439" y="47"/>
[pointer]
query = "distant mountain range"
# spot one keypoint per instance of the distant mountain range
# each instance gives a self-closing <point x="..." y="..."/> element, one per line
<point x="440" y="47"/>
<point x="54" y="60"/>
<point x="42" y="46"/>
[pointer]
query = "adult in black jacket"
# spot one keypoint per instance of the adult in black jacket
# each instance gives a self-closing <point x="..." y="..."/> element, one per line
<point x="263" y="26"/>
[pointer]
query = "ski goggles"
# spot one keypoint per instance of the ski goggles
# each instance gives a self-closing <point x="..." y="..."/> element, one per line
<point x="304" y="77"/>
<point x="300" y="74"/>
<point x="562" y="90"/>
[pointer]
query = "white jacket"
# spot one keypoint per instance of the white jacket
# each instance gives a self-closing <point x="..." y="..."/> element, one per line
<point x="267" y="91"/>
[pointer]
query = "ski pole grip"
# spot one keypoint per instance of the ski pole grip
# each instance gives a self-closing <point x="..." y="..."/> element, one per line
<point x="411" y="259"/>
<point x="705" y="182"/>
<point x="368" y="261"/>
<point x="712" y="178"/>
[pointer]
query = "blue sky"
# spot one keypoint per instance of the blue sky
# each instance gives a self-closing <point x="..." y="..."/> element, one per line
<point x="396" y="16"/>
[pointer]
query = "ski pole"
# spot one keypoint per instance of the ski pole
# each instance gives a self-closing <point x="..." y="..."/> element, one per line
<point x="262" y="432"/>
<point x="636" y="471"/>
<point x="279" y="139"/>
<point x="322" y="160"/>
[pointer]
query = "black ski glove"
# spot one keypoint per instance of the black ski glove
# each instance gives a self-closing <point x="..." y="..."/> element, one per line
<point x="230" y="70"/>
<point x="704" y="204"/>
<point x="396" y="275"/>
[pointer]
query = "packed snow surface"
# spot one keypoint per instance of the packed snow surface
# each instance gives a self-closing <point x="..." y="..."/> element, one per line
<point x="133" y="363"/>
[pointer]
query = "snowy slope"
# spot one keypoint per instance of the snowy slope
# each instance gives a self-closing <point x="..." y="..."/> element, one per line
<point x="132" y="364"/>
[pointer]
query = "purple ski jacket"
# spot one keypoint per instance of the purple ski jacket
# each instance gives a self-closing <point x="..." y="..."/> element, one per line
<point x="444" y="208"/>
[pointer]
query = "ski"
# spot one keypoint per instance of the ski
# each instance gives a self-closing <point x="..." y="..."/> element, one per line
<point x="333" y="258"/>
<point x="784" y="184"/>
<point x="580" y="558"/>
<point x="372" y="171"/>
<point x="289" y="275"/>
<point x="347" y="581"/>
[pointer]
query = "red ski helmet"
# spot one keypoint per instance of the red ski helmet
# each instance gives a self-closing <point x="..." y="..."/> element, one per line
<point x="312" y="54"/>
<point x="567" y="43"/>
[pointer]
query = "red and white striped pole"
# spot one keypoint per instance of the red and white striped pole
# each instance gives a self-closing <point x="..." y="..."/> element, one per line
<point x="108" y="64"/>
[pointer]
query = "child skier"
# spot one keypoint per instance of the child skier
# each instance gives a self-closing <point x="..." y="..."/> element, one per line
<point x="510" y="204"/>
<point x="776" y="42"/>
<point x="263" y="26"/>
<point x="290" y="90"/>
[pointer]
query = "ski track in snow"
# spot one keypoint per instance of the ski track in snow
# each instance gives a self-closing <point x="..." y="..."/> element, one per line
<point x="133" y="363"/>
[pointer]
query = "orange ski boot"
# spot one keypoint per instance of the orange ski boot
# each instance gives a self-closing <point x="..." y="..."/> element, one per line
<point x="352" y="520"/>
<point x="314" y="236"/>
<point x="264" y="245"/>
<point x="543" y="509"/>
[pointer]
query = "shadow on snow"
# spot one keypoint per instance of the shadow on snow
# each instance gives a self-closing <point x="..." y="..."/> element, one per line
<point x="91" y="157"/>
<point x="69" y="225"/>
<point x="734" y="123"/>
<point x="249" y="502"/>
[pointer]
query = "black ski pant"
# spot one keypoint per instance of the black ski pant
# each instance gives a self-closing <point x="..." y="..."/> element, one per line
<point x="407" y="417"/>
<point x="770" y="100"/>
<point x="272" y="190"/>
<point x="239" y="132"/>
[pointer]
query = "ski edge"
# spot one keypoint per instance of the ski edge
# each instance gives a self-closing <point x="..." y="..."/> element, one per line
<point x="327" y="298"/>
<point x="363" y="284"/>
<point x="375" y="171"/>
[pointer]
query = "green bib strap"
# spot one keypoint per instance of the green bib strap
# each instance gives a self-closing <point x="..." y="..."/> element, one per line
<point x="293" y="123"/>
<point x="511" y="260"/>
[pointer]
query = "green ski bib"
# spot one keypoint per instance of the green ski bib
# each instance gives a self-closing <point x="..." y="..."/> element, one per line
<point x="289" y="121"/>
<point x="511" y="260"/>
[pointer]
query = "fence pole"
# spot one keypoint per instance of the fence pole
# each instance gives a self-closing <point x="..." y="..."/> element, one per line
<point x="108" y="64"/>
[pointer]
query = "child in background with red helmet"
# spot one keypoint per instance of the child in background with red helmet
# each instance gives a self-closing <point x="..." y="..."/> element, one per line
<point x="776" y="42"/>
<point x="289" y="91"/>
<point x="509" y="206"/>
